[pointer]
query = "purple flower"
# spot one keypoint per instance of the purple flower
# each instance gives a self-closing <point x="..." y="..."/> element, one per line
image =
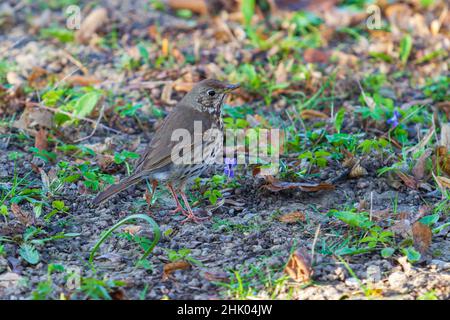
<point x="395" y="119"/>
<point x="230" y="163"/>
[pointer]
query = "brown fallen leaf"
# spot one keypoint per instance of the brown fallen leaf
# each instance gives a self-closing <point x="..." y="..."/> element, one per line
<point x="165" y="47"/>
<point x="299" y="266"/>
<point x="419" y="168"/>
<point x="381" y="215"/>
<point x="276" y="185"/>
<point x="197" y="6"/>
<point x="307" y="5"/>
<point x="167" y="94"/>
<point x="281" y="74"/>
<point x="82" y="81"/>
<point x="9" y="279"/>
<point x="292" y="217"/>
<point x="40" y="140"/>
<point x="33" y="117"/>
<point x="38" y="78"/>
<point x="132" y="230"/>
<point x="216" y="276"/>
<point x="443" y="182"/>
<point x="443" y="159"/>
<point x="91" y="24"/>
<point x="25" y="217"/>
<point x="316" y="56"/>
<point x="422" y="236"/>
<point x="183" y="86"/>
<point x="402" y="228"/>
<point x="309" y="114"/>
<point x="171" y="267"/>
<point x="409" y="181"/>
<point x="357" y="171"/>
<point x="445" y="107"/>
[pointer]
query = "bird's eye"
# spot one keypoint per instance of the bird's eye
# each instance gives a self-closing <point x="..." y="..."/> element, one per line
<point x="211" y="92"/>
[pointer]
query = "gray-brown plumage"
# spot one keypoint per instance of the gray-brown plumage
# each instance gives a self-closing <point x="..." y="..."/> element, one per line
<point x="201" y="107"/>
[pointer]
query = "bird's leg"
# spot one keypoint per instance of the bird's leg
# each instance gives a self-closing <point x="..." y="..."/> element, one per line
<point x="191" y="215"/>
<point x="179" y="208"/>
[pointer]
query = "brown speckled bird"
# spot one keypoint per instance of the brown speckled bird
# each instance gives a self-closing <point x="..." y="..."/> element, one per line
<point x="202" y="105"/>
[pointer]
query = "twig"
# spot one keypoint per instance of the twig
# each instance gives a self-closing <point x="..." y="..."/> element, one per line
<point x="67" y="76"/>
<point x="95" y="126"/>
<point x="75" y="61"/>
<point x="146" y="84"/>
<point x="34" y="104"/>
<point x="316" y="236"/>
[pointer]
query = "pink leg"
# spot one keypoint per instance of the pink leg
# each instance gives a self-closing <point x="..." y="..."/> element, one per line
<point x="191" y="215"/>
<point x="179" y="208"/>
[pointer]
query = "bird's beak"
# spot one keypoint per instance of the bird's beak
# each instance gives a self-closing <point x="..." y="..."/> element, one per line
<point x="231" y="87"/>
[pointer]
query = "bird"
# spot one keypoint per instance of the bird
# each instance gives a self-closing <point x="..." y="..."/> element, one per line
<point x="176" y="163"/>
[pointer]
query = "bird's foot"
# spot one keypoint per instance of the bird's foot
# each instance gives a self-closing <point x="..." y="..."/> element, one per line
<point x="179" y="208"/>
<point x="194" y="218"/>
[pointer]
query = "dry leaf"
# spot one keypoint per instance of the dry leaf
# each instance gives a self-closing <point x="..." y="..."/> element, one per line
<point x="82" y="81"/>
<point x="216" y="276"/>
<point x="402" y="228"/>
<point x="357" y="171"/>
<point x="171" y="267"/>
<point x="309" y="113"/>
<point x="406" y="266"/>
<point x="281" y="73"/>
<point x="276" y="185"/>
<point x="422" y="142"/>
<point x="409" y="181"/>
<point x="443" y="158"/>
<point x="33" y="117"/>
<point x="36" y="78"/>
<point x="40" y="140"/>
<point x="381" y="215"/>
<point x="316" y="56"/>
<point x="132" y="230"/>
<point x="419" y="169"/>
<point x="9" y="279"/>
<point x="24" y="217"/>
<point x="349" y="160"/>
<point x="165" y="47"/>
<point x="91" y="24"/>
<point x="183" y="86"/>
<point x="167" y="93"/>
<point x="422" y="236"/>
<point x="197" y="6"/>
<point x="443" y="182"/>
<point x="299" y="266"/>
<point x="292" y="217"/>
<point x="445" y="135"/>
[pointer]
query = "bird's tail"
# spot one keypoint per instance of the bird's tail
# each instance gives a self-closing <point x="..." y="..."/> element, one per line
<point x="116" y="188"/>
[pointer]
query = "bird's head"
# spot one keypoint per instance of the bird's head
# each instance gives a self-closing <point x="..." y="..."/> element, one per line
<point x="208" y="95"/>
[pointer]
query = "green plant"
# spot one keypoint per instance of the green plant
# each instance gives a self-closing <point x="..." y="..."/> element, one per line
<point x="61" y="34"/>
<point x="44" y="289"/>
<point x="123" y="157"/>
<point x="153" y="224"/>
<point x="182" y="255"/>
<point x="316" y="158"/>
<point x="128" y="110"/>
<point x="406" y="45"/>
<point x="98" y="289"/>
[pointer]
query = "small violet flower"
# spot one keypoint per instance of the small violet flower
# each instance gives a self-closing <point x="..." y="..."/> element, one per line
<point x="230" y="163"/>
<point x="394" y="121"/>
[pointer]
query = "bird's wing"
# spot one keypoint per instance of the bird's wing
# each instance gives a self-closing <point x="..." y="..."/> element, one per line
<point x="158" y="153"/>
